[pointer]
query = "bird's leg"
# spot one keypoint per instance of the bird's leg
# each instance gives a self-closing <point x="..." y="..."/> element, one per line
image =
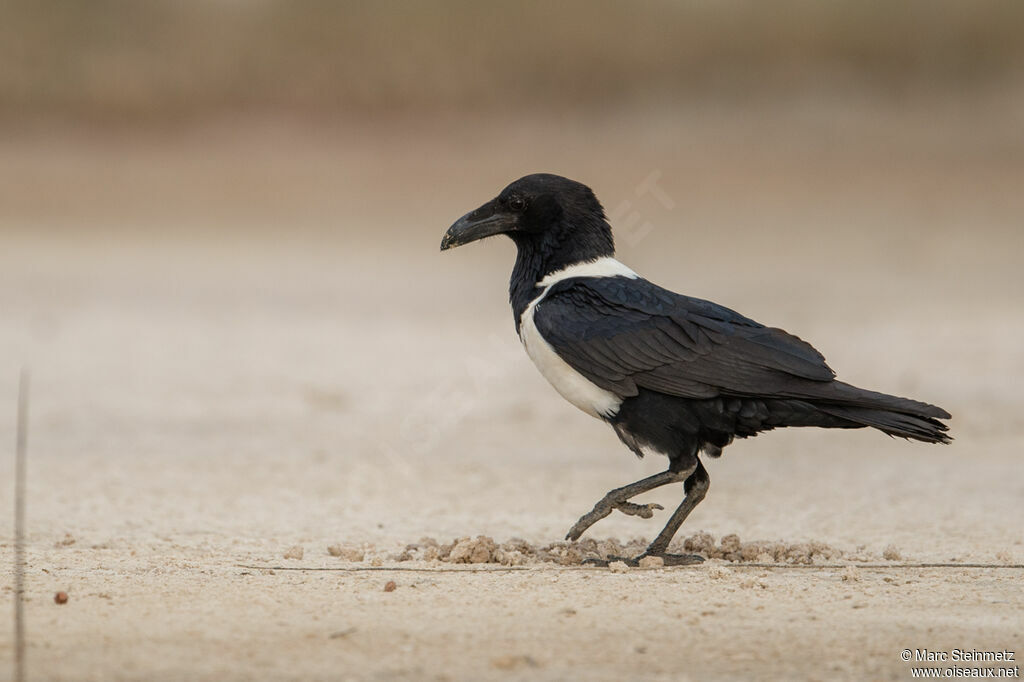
<point x="695" y="487"/>
<point x="619" y="499"/>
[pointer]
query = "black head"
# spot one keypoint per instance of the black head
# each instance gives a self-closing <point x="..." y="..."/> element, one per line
<point x="554" y="219"/>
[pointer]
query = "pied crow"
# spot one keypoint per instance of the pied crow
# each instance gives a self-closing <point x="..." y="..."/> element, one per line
<point x="671" y="374"/>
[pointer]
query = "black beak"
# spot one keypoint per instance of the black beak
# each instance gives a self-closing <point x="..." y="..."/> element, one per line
<point x="478" y="224"/>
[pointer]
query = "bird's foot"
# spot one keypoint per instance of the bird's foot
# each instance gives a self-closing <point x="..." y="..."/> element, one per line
<point x="606" y="507"/>
<point x="668" y="559"/>
<point x="679" y="559"/>
<point x="644" y="511"/>
<point x="605" y="563"/>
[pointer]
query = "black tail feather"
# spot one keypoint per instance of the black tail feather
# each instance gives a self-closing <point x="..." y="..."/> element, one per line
<point x="888" y="413"/>
<point x="902" y="424"/>
<point x="850" y="396"/>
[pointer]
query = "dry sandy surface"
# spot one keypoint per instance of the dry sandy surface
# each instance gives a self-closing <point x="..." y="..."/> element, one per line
<point x="244" y="341"/>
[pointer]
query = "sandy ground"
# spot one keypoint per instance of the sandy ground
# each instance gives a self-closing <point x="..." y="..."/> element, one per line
<point x="243" y="340"/>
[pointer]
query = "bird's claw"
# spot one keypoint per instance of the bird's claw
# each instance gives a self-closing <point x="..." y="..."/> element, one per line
<point x="587" y="520"/>
<point x="634" y="562"/>
<point x="644" y="511"/>
<point x="603" y="509"/>
<point x="680" y="559"/>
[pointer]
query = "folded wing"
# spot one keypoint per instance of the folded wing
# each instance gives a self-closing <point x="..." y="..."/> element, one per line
<point x="624" y="334"/>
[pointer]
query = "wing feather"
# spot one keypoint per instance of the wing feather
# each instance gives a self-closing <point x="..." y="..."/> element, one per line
<point x="624" y="334"/>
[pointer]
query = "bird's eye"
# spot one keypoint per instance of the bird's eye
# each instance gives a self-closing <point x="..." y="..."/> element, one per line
<point x="516" y="203"/>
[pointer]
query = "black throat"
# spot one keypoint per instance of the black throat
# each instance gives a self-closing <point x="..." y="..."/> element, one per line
<point x="538" y="256"/>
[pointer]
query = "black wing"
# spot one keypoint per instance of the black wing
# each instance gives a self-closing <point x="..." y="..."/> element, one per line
<point x="624" y="334"/>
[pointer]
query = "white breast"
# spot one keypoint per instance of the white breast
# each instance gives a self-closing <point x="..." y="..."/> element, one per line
<point x="573" y="386"/>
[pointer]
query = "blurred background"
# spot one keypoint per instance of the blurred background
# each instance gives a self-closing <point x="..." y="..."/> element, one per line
<point x="221" y="219"/>
<point x="359" y="118"/>
<point x="118" y="63"/>
<point x="219" y="230"/>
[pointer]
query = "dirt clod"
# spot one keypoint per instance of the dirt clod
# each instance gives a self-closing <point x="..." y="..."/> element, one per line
<point x="346" y="553"/>
<point x="701" y="542"/>
<point x="513" y="662"/>
<point x="295" y="552"/>
<point x="61" y="598"/>
<point x="718" y="572"/>
<point x="483" y="549"/>
<point x="467" y="551"/>
<point x="390" y="586"/>
<point x="850" y="574"/>
<point x="732" y="549"/>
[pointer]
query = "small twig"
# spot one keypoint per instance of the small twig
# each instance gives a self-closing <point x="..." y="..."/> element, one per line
<point x="541" y="568"/>
<point x="342" y="633"/>
<point x="20" y="451"/>
<point x="877" y="566"/>
<point x="407" y="569"/>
